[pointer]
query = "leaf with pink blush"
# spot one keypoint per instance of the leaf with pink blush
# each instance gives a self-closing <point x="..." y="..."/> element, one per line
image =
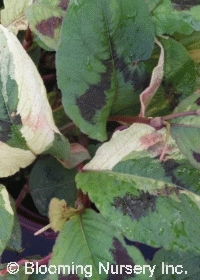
<point x="27" y="128"/>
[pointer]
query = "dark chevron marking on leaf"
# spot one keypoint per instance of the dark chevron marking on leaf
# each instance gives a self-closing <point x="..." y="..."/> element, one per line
<point x="171" y="94"/>
<point x="47" y="26"/>
<point x="6" y="127"/>
<point x="121" y="257"/>
<point x="136" y="206"/>
<point x="17" y="119"/>
<point x="138" y="81"/>
<point x="196" y="156"/>
<point x="64" y="4"/>
<point x="122" y="67"/>
<point x="95" y="99"/>
<point x="5" y="130"/>
<point x="170" y="166"/>
<point x="198" y="101"/>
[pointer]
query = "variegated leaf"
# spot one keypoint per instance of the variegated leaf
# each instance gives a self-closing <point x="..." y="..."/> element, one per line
<point x="26" y="123"/>
<point x="151" y="201"/>
<point x="100" y="60"/>
<point x="45" y="19"/>
<point x="6" y="218"/>
<point x="12" y="16"/>
<point x="186" y="130"/>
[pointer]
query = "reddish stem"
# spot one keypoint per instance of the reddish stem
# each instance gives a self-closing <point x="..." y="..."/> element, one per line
<point x="181" y="114"/>
<point x="49" y="78"/>
<point x="83" y="140"/>
<point x="67" y="127"/>
<point x="129" y="119"/>
<point x="23" y="193"/>
<point x="82" y="200"/>
<point x="43" y="261"/>
<point x="28" y="40"/>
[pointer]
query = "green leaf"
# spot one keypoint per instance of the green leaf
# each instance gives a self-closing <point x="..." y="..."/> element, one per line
<point x="179" y="69"/>
<point x="168" y="21"/>
<point x="12" y="16"/>
<point x="195" y="12"/>
<point x="152" y="4"/>
<point x="45" y="19"/>
<point x="93" y="244"/>
<point x="15" y="242"/>
<point x="26" y="122"/>
<point x="38" y="276"/>
<point x="98" y="58"/>
<point x="35" y="54"/>
<point x="20" y="275"/>
<point x="77" y="155"/>
<point x="6" y="218"/>
<point x="59" y="115"/>
<point x="186" y="130"/>
<point x="50" y="179"/>
<point x="179" y="78"/>
<point x="150" y="201"/>
<point x="192" y="44"/>
<point x="187" y="265"/>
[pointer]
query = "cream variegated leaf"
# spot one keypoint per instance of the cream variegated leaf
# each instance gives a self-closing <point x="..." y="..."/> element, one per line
<point x="26" y="123"/>
<point x="6" y="218"/>
<point x="45" y="19"/>
<point x="152" y="199"/>
<point x="136" y="138"/>
<point x="13" y="17"/>
<point x="14" y="159"/>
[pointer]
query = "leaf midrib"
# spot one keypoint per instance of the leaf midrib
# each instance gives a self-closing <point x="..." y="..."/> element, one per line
<point x="138" y="178"/>
<point x="86" y="243"/>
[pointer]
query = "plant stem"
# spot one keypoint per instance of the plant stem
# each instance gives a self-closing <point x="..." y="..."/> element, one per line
<point x="129" y="119"/>
<point x="82" y="200"/>
<point x="181" y="114"/>
<point x="28" y="40"/>
<point x="49" y="78"/>
<point x="151" y="121"/>
<point x="42" y="229"/>
<point x="23" y="193"/>
<point x="43" y="261"/>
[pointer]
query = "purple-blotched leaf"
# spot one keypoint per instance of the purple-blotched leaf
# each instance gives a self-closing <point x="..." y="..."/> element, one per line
<point x="100" y="60"/>
<point x="150" y="201"/>
<point x="186" y="264"/>
<point x="13" y="17"/>
<point x="45" y="19"/>
<point x="90" y="241"/>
